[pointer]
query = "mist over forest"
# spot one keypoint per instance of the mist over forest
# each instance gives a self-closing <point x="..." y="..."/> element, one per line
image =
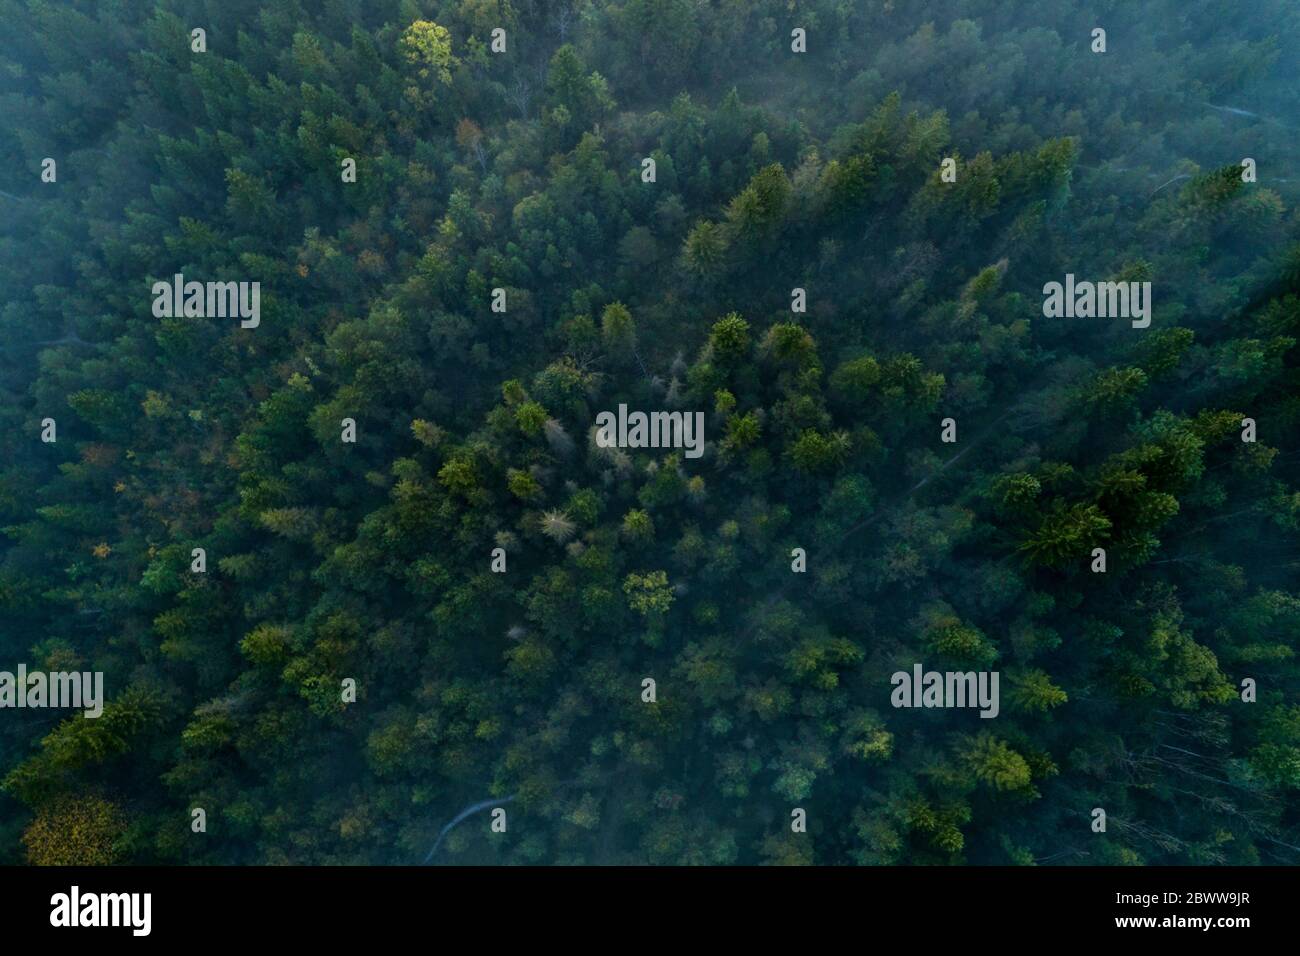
<point x="361" y="569"/>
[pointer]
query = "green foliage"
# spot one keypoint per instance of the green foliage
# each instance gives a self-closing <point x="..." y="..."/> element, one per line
<point x="1066" y="533"/>
<point x="648" y="593"/>
<point x="377" y="560"/>
<point x="427" y="46"/>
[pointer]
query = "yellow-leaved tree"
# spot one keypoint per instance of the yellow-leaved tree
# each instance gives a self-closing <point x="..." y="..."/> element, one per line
<point x="75" y="831"/>
<point x="427" y="47"/>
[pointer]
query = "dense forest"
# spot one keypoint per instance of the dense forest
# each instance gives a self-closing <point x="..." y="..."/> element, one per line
<point x="886" y="404"/>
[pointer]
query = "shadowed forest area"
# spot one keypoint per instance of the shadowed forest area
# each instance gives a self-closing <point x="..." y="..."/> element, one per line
<point x="523" y="170"/>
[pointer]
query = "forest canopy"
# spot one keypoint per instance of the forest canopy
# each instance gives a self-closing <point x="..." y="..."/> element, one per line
<point x="475" y="225"/>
